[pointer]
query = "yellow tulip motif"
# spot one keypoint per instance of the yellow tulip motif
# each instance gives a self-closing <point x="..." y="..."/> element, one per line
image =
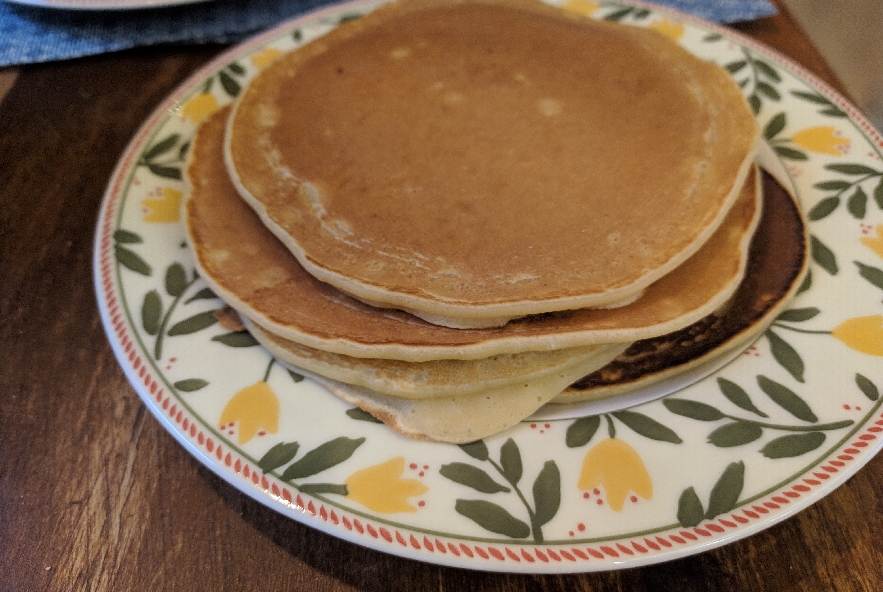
<point x="261" y="59"/>
<point x="875" y="243"/>
<point x="823" y="140"/>
<point x="615" y="466"/>
<point x="863" y="334"/>
<point x="669" y="28"/>
<point x="254" y="408"/>
<point x="163" y="209"/>
<point x="583" y="7"/>
<point x="199" y="107"/>
<point x="380" y="488"/>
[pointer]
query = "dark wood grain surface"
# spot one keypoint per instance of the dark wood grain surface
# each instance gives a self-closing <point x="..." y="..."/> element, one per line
<point x="95" y="495"/>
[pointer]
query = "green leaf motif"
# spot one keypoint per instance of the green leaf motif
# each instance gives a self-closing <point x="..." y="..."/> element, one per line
<point x="834" y="112"/>
<point x="738" y="397"/>
<point x="190" y="385"/>
<point x="790" y="153"/>
<point x="618" y="15"/>
<point x="830" y="109"/>
<point x="131" y="260"/>
<point x="807" y="283"/>
<point x="547" y="493"/>
<point x="236" y="339"/>
<point x="870" y="273"/>
<point x="786" y="399"/>
<point x="767" y="70"/>
<point x="151" y="311"/>
<point x="754" y="103"/>
<point x="737" y="433"/>
<point x="734" y="67"/>
<point x="278" y="455"/>
<point x="793" y="445"/>
<point x="193" y="324"/>
<point x="477" y="450"/>
<point x="580" y="432"/>
<point x="352" y="16"/>
<point x="878" y="193"/>
<point x="852" y="169"/>
<point x="510" y="461"/>
<point x="725" y="493"/>
<point x="868" y="388"/>
<point x="176" y="280"/>
<point x="127" y="237"/>
<point x="492" y="517"/>
<point x="786" y="356"/>
<point x="319" y="488"/>
<point x="693" y="409"/>
<point x="774" y="126"/>
<point x="824" y="208"/>
<point x="229" y="84"/>
<point x="165" y="171"/>
<point x="161" y="147"/>
<point x="857" y="205"/>
<point x="835" y="185"/>
<point x="322" y="457"/>
<point x="471" y="476"/>
<point x="204" y="294"/>
<point x="236" y="68"/>
<point x="798" y="315"/>
<point x="647" y="427"/>
<point x="811" y="97"/>
<point x="295" y="377"/>
<point x="822" y="255"/>
<point x="690" y="511"/>
<point x="361" y="415"/>
<point x="768" y="91"/>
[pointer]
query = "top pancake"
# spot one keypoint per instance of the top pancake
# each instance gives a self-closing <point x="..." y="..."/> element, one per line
<point x="477" y="161"/>
<point x="253" y="272"/>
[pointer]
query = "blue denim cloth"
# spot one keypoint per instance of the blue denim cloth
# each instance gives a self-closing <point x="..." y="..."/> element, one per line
<point x="31" y="34"/>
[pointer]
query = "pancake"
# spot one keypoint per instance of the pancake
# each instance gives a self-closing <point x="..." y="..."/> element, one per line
<point x="777" y="265"/>
<point x="457" y="420"/>
<point x="252" y="271"/>
<point x="477" y="161"/>
<point x="439" y="378"/>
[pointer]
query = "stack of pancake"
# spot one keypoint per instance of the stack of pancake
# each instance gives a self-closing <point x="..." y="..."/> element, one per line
<point x="447" y="212"/>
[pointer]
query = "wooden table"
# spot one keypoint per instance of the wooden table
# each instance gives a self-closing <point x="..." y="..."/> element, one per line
<point x="95" y="495"/>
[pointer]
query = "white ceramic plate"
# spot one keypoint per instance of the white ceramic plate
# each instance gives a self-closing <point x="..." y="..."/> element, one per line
<point x="765" y="436"/>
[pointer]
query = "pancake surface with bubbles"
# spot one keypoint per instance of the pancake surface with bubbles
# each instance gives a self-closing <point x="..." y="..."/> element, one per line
<point x="477" y="161"/>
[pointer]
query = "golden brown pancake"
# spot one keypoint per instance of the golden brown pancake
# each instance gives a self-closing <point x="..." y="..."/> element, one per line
<point x="457" y="420"/>
<point x="439" y="378"/>
<point x="253" y="272"/>
<point x="480" y="160"/>
<point x="777" y="264"/>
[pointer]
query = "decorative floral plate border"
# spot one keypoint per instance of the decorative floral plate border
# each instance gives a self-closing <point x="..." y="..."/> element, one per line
<point x="767" y="435"/>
